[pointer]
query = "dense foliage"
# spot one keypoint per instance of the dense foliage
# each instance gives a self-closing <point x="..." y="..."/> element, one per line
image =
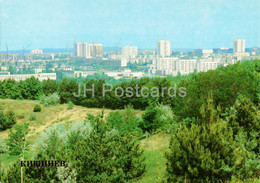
<point x="93" y="152"/>
<point x="226" y="83"/>
<point x="215" y="150"/>
<point x="7" y="120"/>
<point x="37" y="108"/>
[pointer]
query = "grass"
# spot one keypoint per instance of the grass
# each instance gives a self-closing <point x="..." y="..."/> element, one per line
<point x="39" y="121"/>
<point x="48" y="115"/>
<point x="154" y="146"/>
<point x="154" y="151"/>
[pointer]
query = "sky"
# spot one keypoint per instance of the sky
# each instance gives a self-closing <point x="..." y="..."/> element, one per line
<point x="185" y="23"/>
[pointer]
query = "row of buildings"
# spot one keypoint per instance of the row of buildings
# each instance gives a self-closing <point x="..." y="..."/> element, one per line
<point x="175" y="65"/>
<point x="22" y="77"/>
<point x="88" y="50"/>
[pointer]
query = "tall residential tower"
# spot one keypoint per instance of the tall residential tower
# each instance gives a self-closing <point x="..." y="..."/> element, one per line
<point x="87" y="50"/>
<point x="238" y="46"/>
<point x="163" y="48"/>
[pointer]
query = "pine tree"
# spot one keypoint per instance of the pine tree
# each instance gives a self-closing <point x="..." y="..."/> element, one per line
<point x="107" y="156"/>
<point x="206" y="152"/>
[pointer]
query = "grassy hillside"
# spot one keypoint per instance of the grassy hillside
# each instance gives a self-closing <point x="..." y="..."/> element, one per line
<point x="48" y="115"/>
<point x="154" y="146"/>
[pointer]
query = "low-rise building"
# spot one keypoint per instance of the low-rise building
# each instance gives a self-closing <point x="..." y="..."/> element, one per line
<point x="22" y="77"/>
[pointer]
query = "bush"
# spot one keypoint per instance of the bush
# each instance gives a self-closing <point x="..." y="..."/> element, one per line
<point x="52" y="99"/>
<point x="70" y="105"/>
<point x="32" y="117"/>
<point x="156" y="117"/>
<point x="7" y="120"/>
<point x="3" y="146"/>
<point x="125" y="121"/>
<point x="37" y="108"/>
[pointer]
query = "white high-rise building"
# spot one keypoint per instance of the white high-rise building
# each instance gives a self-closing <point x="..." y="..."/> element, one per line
<point x="37" y="51"/>
<point x="96" y="50"/>
<point x="163" y="48"/>
<point x="238" y="46"/>
<point x="129" y="51"/>
<point x="83" y="49"/>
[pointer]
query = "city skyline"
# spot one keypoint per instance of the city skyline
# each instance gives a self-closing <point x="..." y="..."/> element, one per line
<point x="186" y="24"/>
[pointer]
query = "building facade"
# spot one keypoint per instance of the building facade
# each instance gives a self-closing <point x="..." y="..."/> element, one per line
<point x="238" y="46"/>
<point x="163" y="48"/>
<point x="36" y="51"/>
<point x="87" y="50"/>
<point x="129" y="52"/>
<point x="22" y="77"/>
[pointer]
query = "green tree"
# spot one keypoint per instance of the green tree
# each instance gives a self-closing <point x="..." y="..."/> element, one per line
<point x="107" y="156"/>
<point x="206" y="152"/>
<point x="244" y="120"/>
<point x="31" y="88"/>
<point x="17" y="139"/>
<point x="66" y="89"/>
<point x="49" y="86"/>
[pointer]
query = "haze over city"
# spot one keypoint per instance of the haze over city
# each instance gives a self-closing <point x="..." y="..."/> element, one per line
<point x="186" y="24"/>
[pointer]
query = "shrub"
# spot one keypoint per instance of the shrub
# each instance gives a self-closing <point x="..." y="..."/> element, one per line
<point x="52" y="99"/>
<point x="32" y="117"/>
<point x="125" y="121"/>
<point x="70" y="105"/>
<point x="3" y="146"/>
<point x="37" y="108"/>
<point x="156" y="117"/>
<point x="7" y="120"/>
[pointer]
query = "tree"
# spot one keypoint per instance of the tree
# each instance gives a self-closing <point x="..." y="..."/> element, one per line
<point x="31" y="88"/>
<point x="107" y="156"/>
<point x="66" y="89"/>
<point x="17" y="139"/>
<point x="49" y="86"/>
<point x="206" y="152"/>
<point x="244" y="120"/>
<point x="17" y="142"/>
<point x="244" y="116"/>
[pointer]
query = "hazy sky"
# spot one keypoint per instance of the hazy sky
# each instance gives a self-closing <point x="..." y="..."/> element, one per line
<point x="186" y="23"/>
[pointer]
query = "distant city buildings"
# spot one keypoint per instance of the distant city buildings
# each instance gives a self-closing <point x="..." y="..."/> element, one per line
<point x="36" y="51"/>
<point x="129" y="52"/>
<point x="238" y="46"/>
<point x="88" y="50"/>
<point x="160" y="62"/>
<point x="22" y="77"/>
<point x="163" y="48"/>
<point x="175" y="65"/>
<point x="207" y="52"/>
<point x="96" y="50"/>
